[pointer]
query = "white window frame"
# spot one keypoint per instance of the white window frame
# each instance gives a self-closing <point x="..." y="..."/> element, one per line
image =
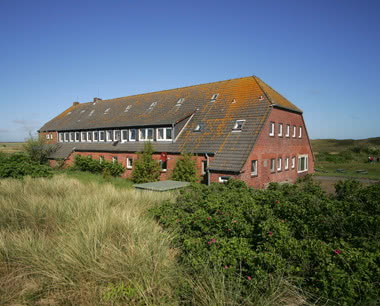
<point x="280" y="130"/>
<point x="115" y="133"/>
<point x="47" y="136"/>
<point x="273" y="165"/>
<point x="214" y="97"/>
<point x="286" y="163"/>
<point x="109" y="134"/>
<point x="287" y="130"/>
<point x="146" y="132"/>
<point x="204" y="167"/>
<point x="180" y="101"/>
<point x="300" y="132"/>
<point x="293" y="162"/>
<point x="129" y="162"/>
<point x="224" y="179"/>
<point x="101" y="159"/>
<point x="88" y="138"/>
<point x="164" y="134"/>
<point x="97" y="136"/>
<point x="162" y="163"/>
<point x="254" y="167"/>
<point x="130" y="133"/>
<point x="279" y="164"/>
<point x="60" y="137"/>
<point x="104" y="136"/>
<point x="294" y="131"/>
<point x="238" y="125"/>
<point x="66" y="137"/>
<point x="306" y="163"/>
<point x="271" y="128"/>
<point x="71" y="136"/>
<point x="114" y="159"/>
<point x="82" y="138"/>
<point x="77" y="137"/>
<point x="122" y="134"/>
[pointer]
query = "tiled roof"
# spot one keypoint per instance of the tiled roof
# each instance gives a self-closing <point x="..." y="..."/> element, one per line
<point x="247" y="98"/>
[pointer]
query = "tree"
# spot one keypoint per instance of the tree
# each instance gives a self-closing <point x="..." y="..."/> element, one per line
<point x="146" y="168"/>
<point x="38" y="150"/>
<point x="185" y="169"/>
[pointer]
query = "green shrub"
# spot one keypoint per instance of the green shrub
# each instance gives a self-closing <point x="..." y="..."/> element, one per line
<point x="38" y="150"/>
<point x="86" y="163"/>
<point x="19" y="165"/>
<point x="328" y="246"/>
<point x="146" y="169"/>
<point x="185" y="169"/>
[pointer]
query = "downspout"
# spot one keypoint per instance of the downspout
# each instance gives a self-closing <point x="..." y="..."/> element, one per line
<point x="207" y="170"/>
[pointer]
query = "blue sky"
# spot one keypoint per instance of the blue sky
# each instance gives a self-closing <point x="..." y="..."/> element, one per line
<point x="322" y="55"/>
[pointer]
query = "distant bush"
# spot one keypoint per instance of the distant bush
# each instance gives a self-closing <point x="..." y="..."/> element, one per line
<point x="85" y="163"/>
<point x="328" y="246"/>
<point x="19" y="165"/>
<point x="146" y="169"/>
<point x="185" y="169"/>
<point x="38" y="150"/>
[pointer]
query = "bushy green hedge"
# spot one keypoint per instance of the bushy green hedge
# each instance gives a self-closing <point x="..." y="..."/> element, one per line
<point x="85" y="163"/>
<point x="330" y="247"/>
<point x="19" y="165"/>
<point x="146" y="169"/>
<point x="185" y="169"/>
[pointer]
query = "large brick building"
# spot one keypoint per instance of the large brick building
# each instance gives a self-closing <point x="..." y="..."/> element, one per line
<point x="238" y="128"/>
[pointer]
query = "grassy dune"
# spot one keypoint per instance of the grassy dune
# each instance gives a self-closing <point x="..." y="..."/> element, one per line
<point x="11" y="147"/>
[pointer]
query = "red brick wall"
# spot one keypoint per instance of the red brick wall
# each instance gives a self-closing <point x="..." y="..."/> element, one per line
<point x="52" y="137"/>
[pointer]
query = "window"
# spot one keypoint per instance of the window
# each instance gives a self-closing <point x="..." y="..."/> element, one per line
<point x="89" y="156"/>
<point x="302" y="163"/>
<point x="101" y="159"/>
<point x="101" y="135"/>
<point x="272" y="165"/>
<point x="271" y="129"/>
<point x="300" y="132"/>
<point x="47" y="136"/>
<point x="109" y="135"/>
<point x="90" y="114"/>
<point x="84" y="136"/>
<point x="106" y="111"/>
<point x="164" y="134"/>
<point x="77" y="136"/>
<point x="146" y="134"/>
<point x="280" y="130"/>
<point x="60" y="137"/>
<point x="279" y="164"/>
<point x="152" y="106"/>
<point x="224" y="179"/>
<point x="72" y="135"/>
<point x="214" y="97"/>
<point x="89" y="136"/>
<point x="238" y="125"/>
<point x="293" y="162"/>
<point x="127" y="108"/>
<point x="180" y="101"/>
<point x="132" y="135"/>
<point x="204" y="167"/>
<point x="95" y="136"/>
<point x="253" y="167"/>
<point x="114" y="159"/>
<point x="116" y="135"/>
<point x="129" y="163"/>
<point x="287" y="130"/>
<point x="66" y="137"/>
<point x="287" y="163"/>
<point x="164" y="165"/>
<point x="199" y="127"/>
<point x="294" y="131"/>
<point x="124" y="135"/>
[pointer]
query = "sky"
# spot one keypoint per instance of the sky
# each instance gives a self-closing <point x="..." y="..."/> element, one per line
<point x="324" y="56"/>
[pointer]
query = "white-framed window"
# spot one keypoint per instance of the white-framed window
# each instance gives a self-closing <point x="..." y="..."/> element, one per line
<point x="60" y="137"/>
<point x="204" y="167"/>
<point x="279" y="164"/>
<point x="199" y="127"/>
<point x="47" y="136"/>
<point x="83" y="137"/>
<point x="238" y="125"/>
<point x="180" y="101"/>
<point x="89" y="136"/>
<point x="127" y="108"/>
<point x="302" y="163"/>
<point x="253" y="167"/>
<point x="271" y="129"/>
<point x="66" y="137"/>
<point x="294" y="131"/>
<point x="132" y="135"/>
<point x="146" y="134"/>
<point x="95" y="136"/>
<point x="101" y="159"/>
<point x="101" y="136"/>
<point x="77" y="137"/>
<point x="124" y="135"/>
<point x="280" y="129"/>
<point x="72" y="136"/>
<point x="287" y="130"/>
<point x="114" y="159"/>
<point x="164" y="165"/>
<point x="300" y="132"/>
<point x="164" y="134"/>
<point x="293" y="162"/>
<point x="272" y="165"/>
<point x="109" y="135"/>
<point x="214" y="97"/>
<point x="224" y="179"/>
<point x="152" y="106"/>
<point x="286" y="163"/>
<point x="116" y="135"/>
<point x="107" y="111"/>
<point x="129" y="163"/>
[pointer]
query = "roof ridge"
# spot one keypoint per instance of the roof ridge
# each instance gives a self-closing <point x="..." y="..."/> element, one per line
<point x="262" y="89"/>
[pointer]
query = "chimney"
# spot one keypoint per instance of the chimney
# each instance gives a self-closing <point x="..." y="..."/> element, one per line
<point x="96" y="100"/>
<point x="75" y="103"/>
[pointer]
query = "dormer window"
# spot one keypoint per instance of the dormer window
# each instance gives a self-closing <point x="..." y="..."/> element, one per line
<point x="164" y="134"/>
<point x="238" y="125"/>
<point x="146" y="134"/>
<point x="180" y="101"/>
<point x="199" y="127"/>
<point x="152" y="106"/>
<point x="214" y="97"/>
<point x="107" y="110"/>
<point x="68" y="113"/>
<point x="127" y="108"/>
<point x="82" y="111"/>
<point x="90" y="114"/>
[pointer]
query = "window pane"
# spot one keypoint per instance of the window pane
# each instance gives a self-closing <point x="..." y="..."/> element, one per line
<point x="169" y="133"/>
<point x="150" y="133"/>
<point x="160" y="133"/>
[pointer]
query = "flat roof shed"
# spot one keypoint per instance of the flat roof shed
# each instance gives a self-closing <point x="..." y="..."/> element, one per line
<point x="162" y="185"/>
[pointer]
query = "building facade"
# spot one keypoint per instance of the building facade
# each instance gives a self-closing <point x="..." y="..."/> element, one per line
<point x="239" y="128"/>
